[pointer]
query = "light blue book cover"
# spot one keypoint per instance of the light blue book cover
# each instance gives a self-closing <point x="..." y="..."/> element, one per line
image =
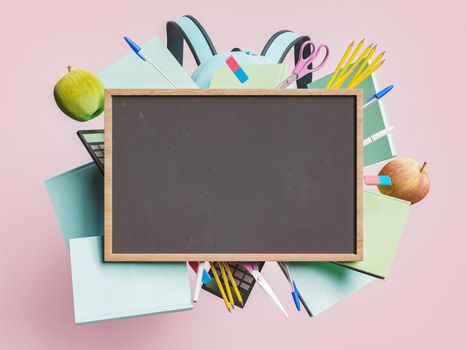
<point x="374" y="120"/>
<point x="77" y="198"/>
<point x="132" y="72"/>
<point x="103" y="291"/>
<point x="323" y="284"/>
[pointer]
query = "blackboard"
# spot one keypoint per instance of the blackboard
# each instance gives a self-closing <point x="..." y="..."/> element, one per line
<point x="233" y="175"/>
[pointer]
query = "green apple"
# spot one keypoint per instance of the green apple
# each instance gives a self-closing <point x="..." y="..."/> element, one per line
<point x="80" y="95"/>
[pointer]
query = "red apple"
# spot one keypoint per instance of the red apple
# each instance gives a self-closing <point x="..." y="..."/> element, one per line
<point x="409" y="181"/>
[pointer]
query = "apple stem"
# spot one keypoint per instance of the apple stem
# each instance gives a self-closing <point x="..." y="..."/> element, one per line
<point x="69" y="69"/>
<point x="423" y="167"/>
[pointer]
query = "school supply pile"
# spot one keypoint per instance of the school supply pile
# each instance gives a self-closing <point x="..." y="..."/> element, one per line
<point x="107" y="290"/>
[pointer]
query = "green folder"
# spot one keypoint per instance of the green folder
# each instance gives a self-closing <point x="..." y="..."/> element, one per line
<point x="132" y="72"/>
<point x="323" y="284"/>
<point x="77" y="197"/>
<point x="374" y="120"/>
<point x="260" y="76"/>
<point x="103" y="291"/>
<point x="384" y="220"/>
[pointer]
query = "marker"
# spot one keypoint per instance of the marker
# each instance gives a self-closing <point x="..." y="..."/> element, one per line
<point x="141" y="55"/>
<point x="378" y="96"/>
<point x="377" y="136"/>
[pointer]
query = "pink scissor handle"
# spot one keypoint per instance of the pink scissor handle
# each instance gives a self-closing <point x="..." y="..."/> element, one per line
<point x="302" y="67"/>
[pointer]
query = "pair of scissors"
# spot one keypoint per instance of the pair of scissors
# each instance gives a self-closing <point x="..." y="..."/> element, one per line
<point x="304" y="65"/>
<point x="253" y="269"/>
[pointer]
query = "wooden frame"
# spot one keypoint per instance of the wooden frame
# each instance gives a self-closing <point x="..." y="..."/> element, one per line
<point x="110" y="256"/>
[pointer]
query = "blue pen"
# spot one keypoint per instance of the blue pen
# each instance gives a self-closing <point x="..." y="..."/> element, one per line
<point x="378" y="95"/>
<point x="141" y="55"/>
<point x="295" y="296"/>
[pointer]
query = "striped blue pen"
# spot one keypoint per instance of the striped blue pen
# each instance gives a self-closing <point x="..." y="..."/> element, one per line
<point x="378" y="96"/>
<point x="141" y="55"/>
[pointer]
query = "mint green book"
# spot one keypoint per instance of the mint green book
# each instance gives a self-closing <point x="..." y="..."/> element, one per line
<point x="322" y="285"/>
<point x="260" y="76"/>
<point x="103" y="291"/>
<point x="132" y="72"/>
<point x="383" y="223"/>
<point x="374" y="120"/>
<point x="77" y="197"/>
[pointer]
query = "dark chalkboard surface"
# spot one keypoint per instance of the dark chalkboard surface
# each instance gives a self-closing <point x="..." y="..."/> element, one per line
<point x="233" y="175"/>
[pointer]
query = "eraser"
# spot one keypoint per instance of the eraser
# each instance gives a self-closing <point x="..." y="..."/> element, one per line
<point x="377" y="180"/>
<point x="232" y="63"/>
<point x="385" y="180"/>
<point x="241" y="75"/>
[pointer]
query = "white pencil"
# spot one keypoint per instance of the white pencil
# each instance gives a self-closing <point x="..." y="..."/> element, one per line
<point x="377" y="136"/>
<point x="199" y="276"/>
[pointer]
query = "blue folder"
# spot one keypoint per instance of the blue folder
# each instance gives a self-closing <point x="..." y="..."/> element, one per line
<point x="103" y="291"/>
<point x="77" y="197"/>
<point x="108" y="290"/>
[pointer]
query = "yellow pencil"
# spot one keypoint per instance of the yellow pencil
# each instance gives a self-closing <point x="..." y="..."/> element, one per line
<point x="341" y="80"/>
<point x="226" y="283"/>
<point x="370" y="67"/>
<point x="340" y="65"/>
<point x="349" y="61"/>
<point x="234" y="285"/>
<point x="338" y="84"/>
<point x="219" y="285"/>
<point x="365" y="61"/>
<point x="364" y="76"/>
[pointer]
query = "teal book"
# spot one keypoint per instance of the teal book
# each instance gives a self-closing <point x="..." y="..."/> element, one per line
<point x="384" y="218"/>
<point x="130" y="71"/>
<point x="103" y="291"/>
<point x="77" y="197"/>
<point x="322" y="285"/>
<point x="374" y="120"/>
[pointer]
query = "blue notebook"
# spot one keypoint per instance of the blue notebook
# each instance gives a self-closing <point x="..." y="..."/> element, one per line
<point x="131" y="72"/>
<point x="78" y="200"/>
<point x="374" y="120"/>
<point x="103" y="291"/>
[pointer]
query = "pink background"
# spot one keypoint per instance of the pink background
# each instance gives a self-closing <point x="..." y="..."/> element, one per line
<point x="421" y="305"/>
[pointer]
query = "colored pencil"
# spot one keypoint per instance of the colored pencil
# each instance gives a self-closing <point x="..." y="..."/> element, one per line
<point x="366" y="75"/>
<point x="342" y="79"/>
<point x="364" y="63"/>
<point x="354" y="65"/>
<point x="234" y="285"/>
<point x="349" y="61"/>
<point x="370" y="66"/>
<point x="219" y="285"/>
<point x="340" y="65"/>
<point x="226" y="284"/>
